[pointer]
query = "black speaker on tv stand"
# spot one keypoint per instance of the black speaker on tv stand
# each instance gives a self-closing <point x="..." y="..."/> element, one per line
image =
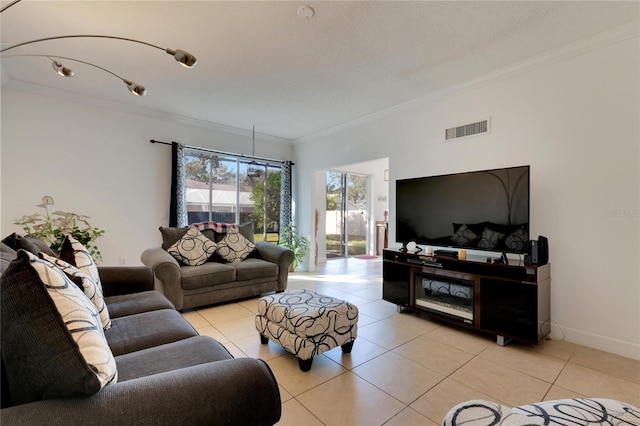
<point x="538" y="251"/>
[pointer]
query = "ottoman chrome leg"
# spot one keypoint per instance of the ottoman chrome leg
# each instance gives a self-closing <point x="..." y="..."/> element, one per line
<point x="305" y="364"/>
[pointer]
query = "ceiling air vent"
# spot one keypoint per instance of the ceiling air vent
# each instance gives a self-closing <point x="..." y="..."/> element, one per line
<point x="468" y="130"/>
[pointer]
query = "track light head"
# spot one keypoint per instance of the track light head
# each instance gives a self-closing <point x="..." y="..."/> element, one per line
<point x="183" y="57"/>
<point x="61" y="69"/>
<point x="135" y="88"/>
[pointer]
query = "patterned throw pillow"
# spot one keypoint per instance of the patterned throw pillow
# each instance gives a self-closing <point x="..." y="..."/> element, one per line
<point x="234" y="247"/>
<point x="518" y="240"/>
<point x="75" y="253"/>
<point x="490" y="239"/>
<point x="58" y="347"/>
<point x="464" y="237"/>
<point x="193" y="248"/>
<point x="171" y="234"/>
<point x="91" y="290"/>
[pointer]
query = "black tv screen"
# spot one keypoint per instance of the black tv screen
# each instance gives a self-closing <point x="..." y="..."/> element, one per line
<point x="481" y="210"/>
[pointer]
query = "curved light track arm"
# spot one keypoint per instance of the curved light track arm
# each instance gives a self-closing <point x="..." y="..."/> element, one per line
<point x="183" y="57"/>
<point x="135" y="88"/>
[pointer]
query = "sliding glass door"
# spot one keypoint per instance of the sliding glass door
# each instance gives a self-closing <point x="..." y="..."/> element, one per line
<point x="346" y="214"/>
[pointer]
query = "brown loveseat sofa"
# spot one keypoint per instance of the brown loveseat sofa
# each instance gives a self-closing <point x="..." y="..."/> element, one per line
<point x="166" y="372"/>
<point x="265" y="270"/>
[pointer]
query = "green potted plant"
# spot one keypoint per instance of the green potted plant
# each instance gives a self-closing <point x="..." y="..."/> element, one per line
<point x="52" y="228"/>
<point x="298" y="244"/>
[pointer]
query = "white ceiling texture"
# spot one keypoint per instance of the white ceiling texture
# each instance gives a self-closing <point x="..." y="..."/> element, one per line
<point x="261" y="63"/>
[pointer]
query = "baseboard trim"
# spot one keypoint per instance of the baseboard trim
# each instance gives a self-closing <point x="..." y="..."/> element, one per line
<point x="596" y="341"/>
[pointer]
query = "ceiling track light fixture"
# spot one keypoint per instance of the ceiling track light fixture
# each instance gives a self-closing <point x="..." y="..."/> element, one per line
<point x="135" y="88"/>
<point x="183" y="57"/>
<point x="60" y="68"/>
<point x="8" y="5"/>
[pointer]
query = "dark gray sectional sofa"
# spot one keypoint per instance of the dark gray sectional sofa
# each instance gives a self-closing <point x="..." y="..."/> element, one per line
<point x="166" y="372"/>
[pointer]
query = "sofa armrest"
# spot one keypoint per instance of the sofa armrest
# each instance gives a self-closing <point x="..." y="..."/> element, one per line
<point x="167" y="272"/>
<point x="279" y="255"/>
<point x="117" y="280"/>
<point x="234" y="391"/>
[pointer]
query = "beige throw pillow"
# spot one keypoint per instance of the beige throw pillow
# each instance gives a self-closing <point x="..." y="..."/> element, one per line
<point x="193" y="248"/>
<point x="80" y="317"/>
<point x="89" y="286"/>
<point x="234" y="247"/>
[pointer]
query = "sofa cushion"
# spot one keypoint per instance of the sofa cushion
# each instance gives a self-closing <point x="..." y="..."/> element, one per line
<point x="171" y="234"/>
<point x="464" y="237"/>
<point x="56" y="341"/>
<point x="490" y="239"/>
<point x="16" y="242"/>
<point x="234" y="247"/>
<point x="75" y="253"/>
<point x="207" y="275"/>
<point x="41" y="245"/>
<point x="146" y="330"/>
<point x="87" y="285"/>
<point x="7" y="254"/>
<point x="518" y="240"/>
<point x="252" y="269"/>
<point x="137" y="303"/>
<point x="172" y="356"/>
<point x="246" y="230"/>
<point x="193" y="248"/>
<point x="31" y="244"/>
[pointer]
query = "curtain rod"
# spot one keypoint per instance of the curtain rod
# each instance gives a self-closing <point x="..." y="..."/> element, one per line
<point x="197" y="148"/>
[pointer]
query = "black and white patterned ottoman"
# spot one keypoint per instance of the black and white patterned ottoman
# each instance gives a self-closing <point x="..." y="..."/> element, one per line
<point x="307" y="324"/>
<point x="560" y="412"/>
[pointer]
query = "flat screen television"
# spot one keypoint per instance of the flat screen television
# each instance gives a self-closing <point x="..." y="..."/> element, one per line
<point x="482" y="210"/>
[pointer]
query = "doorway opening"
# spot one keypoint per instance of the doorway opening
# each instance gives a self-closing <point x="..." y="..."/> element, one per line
<point x="347" y="204"/>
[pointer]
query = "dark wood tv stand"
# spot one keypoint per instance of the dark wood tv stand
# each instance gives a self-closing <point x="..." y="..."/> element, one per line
<point x="511" y="301"/>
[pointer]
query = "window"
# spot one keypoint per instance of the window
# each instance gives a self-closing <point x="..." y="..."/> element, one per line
<point x="230" y="189"/>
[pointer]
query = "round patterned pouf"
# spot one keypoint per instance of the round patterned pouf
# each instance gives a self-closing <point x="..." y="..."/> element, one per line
<point x="306" y="323"/>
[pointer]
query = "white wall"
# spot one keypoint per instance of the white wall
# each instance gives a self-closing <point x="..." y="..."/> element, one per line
<point x="575" y="121"/>
<point x="97" y="160"/>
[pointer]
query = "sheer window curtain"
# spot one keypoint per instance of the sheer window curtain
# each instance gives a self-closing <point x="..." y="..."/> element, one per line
<point x="178" y="206"/>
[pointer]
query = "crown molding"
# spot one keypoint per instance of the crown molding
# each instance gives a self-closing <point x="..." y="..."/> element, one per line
<point x="615" y="35"/>
<point x="577" y="48"/>
<point x="52" y="92"/>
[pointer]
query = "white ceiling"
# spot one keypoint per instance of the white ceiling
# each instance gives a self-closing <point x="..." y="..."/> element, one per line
<point x="260" y="64"/>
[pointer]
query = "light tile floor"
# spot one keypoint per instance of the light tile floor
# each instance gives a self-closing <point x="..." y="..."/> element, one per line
<point x="406" y="369"/>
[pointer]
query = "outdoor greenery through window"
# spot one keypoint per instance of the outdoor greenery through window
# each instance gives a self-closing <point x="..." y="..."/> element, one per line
<point x="346" y="214"/>
<point x="230" y="189"/>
